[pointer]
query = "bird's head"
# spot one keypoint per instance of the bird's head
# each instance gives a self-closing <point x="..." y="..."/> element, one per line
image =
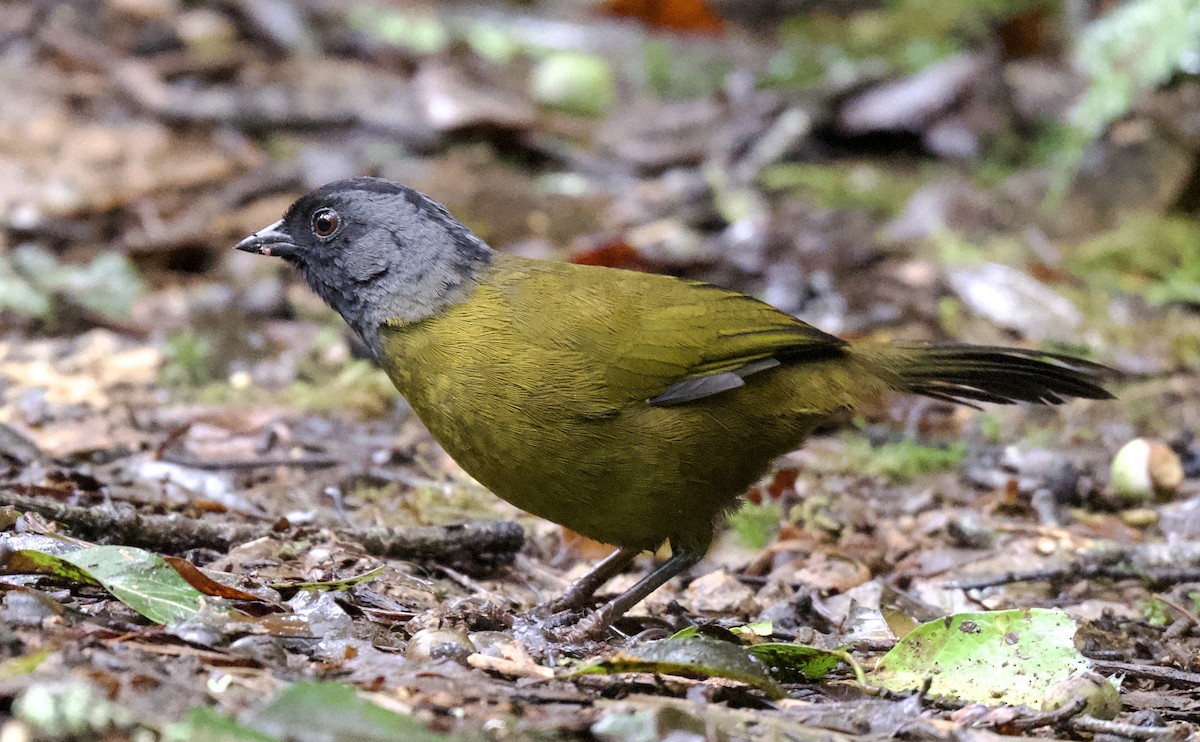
<point x="375" y="251"/>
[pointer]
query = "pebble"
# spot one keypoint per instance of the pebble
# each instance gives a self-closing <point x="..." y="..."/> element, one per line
<point x="720" y="592"/>
<point x="1145" y="468"/>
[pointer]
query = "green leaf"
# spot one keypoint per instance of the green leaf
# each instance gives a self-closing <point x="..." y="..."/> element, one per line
<point x="107" y="285"/>
<point x="581" y="84"/>
<point x="330" y="585"/>
<point x="1136" y="47"/>
<point x="321" y="711"/>
<point x="795" y="663"/>
<point x="20" y="296"/>
<point x="694" y="657"/>
<point x="1011" y="657"/>
<point x="757" y="628"/>
<point x="685" y="632"/>
<point x="17" y="666"/>
<point x="204" y="724"/>
<point x="137" y="578"/>
<point x="32" y="561"/>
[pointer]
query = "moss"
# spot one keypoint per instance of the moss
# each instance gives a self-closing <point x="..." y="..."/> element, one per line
<point x="756" y="524"/>
<point x="1155" y="256"/>
<point x="359" y="388"/>
<point x="415" y="32"/>
<point x="951" y="316"/>
<point x="862" y="185"/>
<point x="190" y="361"/>
<point x="437" y="503"/>
<point x="902" y="37"/>
<point x="902" y="460"/>
<point x="990" y="428"/>
<point x="1156" y="613"/>
<point x="673" y="72"/>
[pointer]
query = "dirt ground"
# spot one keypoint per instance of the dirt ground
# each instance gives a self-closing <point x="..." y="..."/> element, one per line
<point x="978" y="172"/>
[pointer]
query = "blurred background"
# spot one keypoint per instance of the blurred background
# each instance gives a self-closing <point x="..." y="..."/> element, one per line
<point x="997" y="172"/>
<point x="991" y="171"/>
<point x="1017" y="172"/>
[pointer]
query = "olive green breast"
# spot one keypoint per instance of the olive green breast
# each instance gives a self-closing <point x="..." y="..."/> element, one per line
<point x="538" y="384"/>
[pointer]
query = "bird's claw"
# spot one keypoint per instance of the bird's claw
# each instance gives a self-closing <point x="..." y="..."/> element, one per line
<point x="590" y="628"/>
<point x="557" y="619"/>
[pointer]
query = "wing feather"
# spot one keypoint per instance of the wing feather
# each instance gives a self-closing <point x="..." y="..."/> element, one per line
<point x="658" y="338"/>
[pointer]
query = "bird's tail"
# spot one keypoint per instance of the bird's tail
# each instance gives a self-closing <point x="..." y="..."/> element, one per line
<point x="966" y="374"/>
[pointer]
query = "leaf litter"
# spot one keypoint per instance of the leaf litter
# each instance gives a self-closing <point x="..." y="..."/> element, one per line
<point x="164" y="399"/>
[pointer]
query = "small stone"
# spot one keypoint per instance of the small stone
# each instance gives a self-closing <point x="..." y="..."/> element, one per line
<point x="949" y="203"/>
<point x="911" y="103"/>
<point x="240" y="380"/>
<point x="1145" y="468"/>
<point x="438" y="644"/>
<point x="720" y="592"/>
<point x="207" y="33"/>
<point x="1103" y="700"/>
<point x="1042" y="90"/>
<point x="1014" y="300"/>
<point x="147" y="10"/>
<point x="1139" y="517"/>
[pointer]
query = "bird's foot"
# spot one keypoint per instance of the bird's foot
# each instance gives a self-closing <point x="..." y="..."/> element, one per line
<point x="576" y="598"/>
<point x="591" y="628"/>
<point x="562" y="604"/>
<point x="472" y="613"/>
<point x="555" y="619"/>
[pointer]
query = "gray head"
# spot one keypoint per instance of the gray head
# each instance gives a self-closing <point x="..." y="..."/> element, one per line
<point x="376" y="251"/>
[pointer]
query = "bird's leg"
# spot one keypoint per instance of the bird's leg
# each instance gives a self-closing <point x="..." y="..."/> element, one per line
<point x="595" y="625"/>
<point x="579" y="592"/>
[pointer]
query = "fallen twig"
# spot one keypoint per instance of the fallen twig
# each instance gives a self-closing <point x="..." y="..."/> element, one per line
<point x="1150" y="576"/>
<point x="258" y="462"/>
<point x="512" y="668"/>
<point x="473" y="543"/>
<point x="1056" y="718"/>
<point x="1118" y="729"/>
<point x="1178" y="678"/>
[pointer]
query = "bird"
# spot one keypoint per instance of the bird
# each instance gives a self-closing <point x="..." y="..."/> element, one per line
<point x="633" y="408"/>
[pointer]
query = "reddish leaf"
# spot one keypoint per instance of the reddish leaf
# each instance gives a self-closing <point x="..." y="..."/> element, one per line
<point x="672" y="15"/>
<point x="206" y="584"/>
<point x="784" y="479"/>
<point x="1025" y="34"/>
<point x="612" y="254"/>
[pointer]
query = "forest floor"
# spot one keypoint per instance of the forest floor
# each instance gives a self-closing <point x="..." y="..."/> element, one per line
<point x="895" y="173"/>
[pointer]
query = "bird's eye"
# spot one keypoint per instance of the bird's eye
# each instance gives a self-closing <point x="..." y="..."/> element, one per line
<point x="325" y="222"/>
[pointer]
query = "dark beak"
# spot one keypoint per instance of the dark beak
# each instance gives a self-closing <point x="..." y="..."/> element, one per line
<point x="271" y="240"/>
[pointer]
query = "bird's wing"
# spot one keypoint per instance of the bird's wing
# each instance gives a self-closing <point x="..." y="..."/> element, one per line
<point x="714" y="342"/>
<point x="658" y="338"/>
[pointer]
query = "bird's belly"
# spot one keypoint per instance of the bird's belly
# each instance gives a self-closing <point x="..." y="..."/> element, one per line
<point x="634" y="478"/>
<point x="589" y="482"/>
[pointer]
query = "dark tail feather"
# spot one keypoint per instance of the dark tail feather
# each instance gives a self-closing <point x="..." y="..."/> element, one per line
<point x="965" y="374"/>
